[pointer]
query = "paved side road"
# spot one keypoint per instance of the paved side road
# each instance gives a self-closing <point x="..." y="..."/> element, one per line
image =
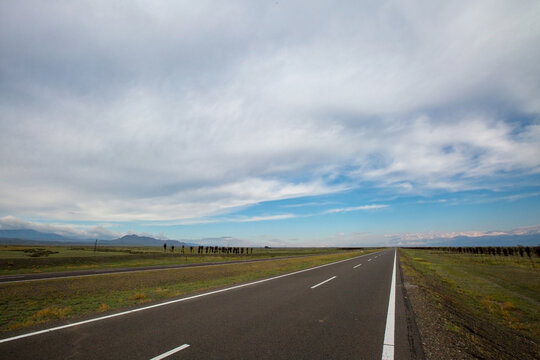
<point x="337" y="311"/>
<point x="79" y="273"/>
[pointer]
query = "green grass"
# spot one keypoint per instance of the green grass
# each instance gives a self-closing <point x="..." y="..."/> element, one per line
<point x="503" y="290"/>
<point x="21" y="252"/>
<point x="30" y="303"/>
<point x="18" y="259"/>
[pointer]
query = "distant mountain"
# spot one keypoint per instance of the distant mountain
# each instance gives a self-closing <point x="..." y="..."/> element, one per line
<point x="489" y="240"/>
<point x="27" y="234"/>
<point x="32" y="237"/>
<point x="136" y="240"/>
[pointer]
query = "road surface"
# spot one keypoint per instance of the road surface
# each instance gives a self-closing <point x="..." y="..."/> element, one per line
<point x="337" y="311"/>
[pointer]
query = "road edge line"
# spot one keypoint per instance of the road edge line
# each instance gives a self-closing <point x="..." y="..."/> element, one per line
<point x="389" y="332"/>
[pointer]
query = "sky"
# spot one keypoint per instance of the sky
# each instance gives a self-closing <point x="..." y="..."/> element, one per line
<point x="283" y="123"/>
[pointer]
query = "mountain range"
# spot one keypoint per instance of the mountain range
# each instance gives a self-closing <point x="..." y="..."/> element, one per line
<point x="32" y="237"/>
<point x="489" y="240"/>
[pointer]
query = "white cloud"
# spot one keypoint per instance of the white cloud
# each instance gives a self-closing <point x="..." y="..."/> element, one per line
<point x="424" y="238"/>
<point x="262" y="218"/>
<point x="66" y="230"/>
<point x="174" y="112"/>
<point x="338" y="239"/>
<point x="377" y="239"/>
<point x="309" y="204"/>
<point x="356" y="208"/>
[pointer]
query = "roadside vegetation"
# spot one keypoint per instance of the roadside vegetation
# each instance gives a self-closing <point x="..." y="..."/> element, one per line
<point x="35" y="259"/>
<point x="27" y="304"/>
<point x="488" y="299"/>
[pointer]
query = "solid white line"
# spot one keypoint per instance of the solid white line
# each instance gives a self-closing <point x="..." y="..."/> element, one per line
<point x="175" y="350"/>
<point x="357" y="266"/>
<point x="325" y="281"/>
<point x="388" y="343"/>
<point x="170" y="302"/>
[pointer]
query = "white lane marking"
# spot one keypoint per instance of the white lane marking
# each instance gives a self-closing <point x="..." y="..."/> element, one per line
<point x="168" y="353"/>
<point x="325" y="281"/>
<point x="369" y="259"/>
<point x="170" y="302"/>
<point x="357" y="266"/>
<point x="388" y="343"/>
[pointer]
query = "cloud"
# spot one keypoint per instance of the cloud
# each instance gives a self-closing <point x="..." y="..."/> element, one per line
<point x="356" y="208"/>
<point x="424" y="238"/>
<point x="171" y="112"/>
<point x="337" y="239"/>
<point x="66" y="230"/>
<point x="403" y="239"/>
<point x="309" y="204"/>
<point x="262" y="218"/>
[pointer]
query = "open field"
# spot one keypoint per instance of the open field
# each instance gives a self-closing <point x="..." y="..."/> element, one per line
<point x="26" y="304"/>
<point x="489" y="306"/>
<point x="33" y="259"/>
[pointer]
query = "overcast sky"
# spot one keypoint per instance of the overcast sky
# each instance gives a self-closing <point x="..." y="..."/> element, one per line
<point x="282" y="122"/>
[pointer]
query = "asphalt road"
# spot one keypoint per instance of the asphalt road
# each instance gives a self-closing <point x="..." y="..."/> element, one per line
<point x="337" y="311"/>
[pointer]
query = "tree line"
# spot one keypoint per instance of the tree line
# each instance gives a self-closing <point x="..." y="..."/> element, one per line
<point x="490" y="250"/>
<point x="212" y="250"/>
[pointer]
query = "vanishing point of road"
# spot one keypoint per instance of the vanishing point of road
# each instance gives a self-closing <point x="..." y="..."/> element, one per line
<point x="351" y="309"/>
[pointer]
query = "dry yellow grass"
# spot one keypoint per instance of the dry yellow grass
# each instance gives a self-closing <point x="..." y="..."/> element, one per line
<point x="53" y="312"/>
<point x="139" y="296"/>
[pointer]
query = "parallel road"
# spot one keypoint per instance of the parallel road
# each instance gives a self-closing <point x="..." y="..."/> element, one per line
<point x="338" y="311"/>
<point x="91" y="272"/>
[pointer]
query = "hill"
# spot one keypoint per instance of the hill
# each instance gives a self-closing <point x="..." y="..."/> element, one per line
<point x="489" y="240"/>
<point x="32" y="237"/>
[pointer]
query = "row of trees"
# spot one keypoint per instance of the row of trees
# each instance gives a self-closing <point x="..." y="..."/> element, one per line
<point x="212" y="250"/>
<point x="493" y="250"/>
<point x="500" y="250"/>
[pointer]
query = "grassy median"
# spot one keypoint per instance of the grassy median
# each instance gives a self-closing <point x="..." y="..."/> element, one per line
<point x="491" y="302"/>
<point x="36" y="259"/>
<point x="30" y="303"/>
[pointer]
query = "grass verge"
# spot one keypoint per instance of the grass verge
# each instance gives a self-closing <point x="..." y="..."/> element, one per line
<point x="490" y="305"/>
<point x="31" y="303"/>
<point x="20" y="260"/>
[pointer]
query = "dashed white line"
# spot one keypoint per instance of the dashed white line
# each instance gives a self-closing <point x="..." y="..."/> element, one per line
<point x="168" y="353"/>
<point x="388" y="343"/>
<point x="357" y="266"/>
<point x="369" y="259"/>
<point x="325" y="281"/>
